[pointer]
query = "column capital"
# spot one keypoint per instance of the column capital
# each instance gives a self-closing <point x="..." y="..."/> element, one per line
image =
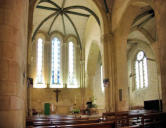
<point x="82" y="61"/>
<point x="107" y="37"/>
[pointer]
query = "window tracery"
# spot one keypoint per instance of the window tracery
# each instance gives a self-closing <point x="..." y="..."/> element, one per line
<point x="141" y="70"/>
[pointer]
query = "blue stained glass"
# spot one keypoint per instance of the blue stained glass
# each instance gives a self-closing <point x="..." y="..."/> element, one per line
<point x="56" y="54"/>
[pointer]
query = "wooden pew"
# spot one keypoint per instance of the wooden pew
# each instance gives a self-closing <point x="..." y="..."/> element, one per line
<point x="132" y="119"/>
<point x="41" y="127"/>
<point x="107" y="124"/>
<point x="61" y="122"/>
<point x="47" y="120"/>
<point x="65" y="121"/>
<point x="153" y="120"/>
<point x="121" y="119"/>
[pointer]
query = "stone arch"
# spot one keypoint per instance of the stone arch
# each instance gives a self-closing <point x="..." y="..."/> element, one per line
<point x="132" y="10"/>
<point x="153" y="91"/>
<point x="94" y="81"/>
<point x="125" y="9"/>
<point x="92" y="58"/>
<point x="122" y="19"/>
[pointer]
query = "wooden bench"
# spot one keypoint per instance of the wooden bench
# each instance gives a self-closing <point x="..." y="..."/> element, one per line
<point x="107" y="124"/>
<point x="137" y="119"/>
<point x="153" y="120"/>
<point x="57" y="122"/>
<point x="46" y="120"/>
<point x="66" y="121"/>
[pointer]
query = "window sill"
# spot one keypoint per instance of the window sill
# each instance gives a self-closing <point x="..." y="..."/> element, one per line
<point x="40" y="85"/>
<point x="72" y="86"/>
<point x="56" y="86"/>
<point x="141" y="89"/>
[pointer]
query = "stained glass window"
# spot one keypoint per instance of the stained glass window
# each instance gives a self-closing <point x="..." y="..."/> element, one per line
<point x="56" y="62"/>
<point x="39" y="60"/>
<point x="71" y="78"/>
<point x="141" y="70"/>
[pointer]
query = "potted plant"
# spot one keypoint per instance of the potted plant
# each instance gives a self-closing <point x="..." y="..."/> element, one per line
<point x="91" y="106"/>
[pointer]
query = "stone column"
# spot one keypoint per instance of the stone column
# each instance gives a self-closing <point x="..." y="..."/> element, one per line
<point x="13" y="61"/>
<point x="77" y="64"/>
<point x="64" y="65"/>
<point x="160" y="12"/>
<point x="121" y="72"/>
<point x="82" y="78"/>
<point x="89" y="89"/>
<point x="47" y="62"/>
<point x="109" y="71"/>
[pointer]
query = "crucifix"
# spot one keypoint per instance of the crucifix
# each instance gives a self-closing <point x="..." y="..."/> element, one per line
<point x="57" y="91"/>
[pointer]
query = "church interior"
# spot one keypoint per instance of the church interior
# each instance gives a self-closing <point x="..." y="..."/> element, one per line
<point x="82" y="63"/>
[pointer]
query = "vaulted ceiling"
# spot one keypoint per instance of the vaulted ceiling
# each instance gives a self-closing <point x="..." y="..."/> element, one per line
<point x="143" y="28"/>
<point x="66" y="16"/>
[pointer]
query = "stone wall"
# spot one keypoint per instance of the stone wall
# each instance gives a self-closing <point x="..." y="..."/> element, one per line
<point x="67" y="97"/>
<point x="153" y="91"/>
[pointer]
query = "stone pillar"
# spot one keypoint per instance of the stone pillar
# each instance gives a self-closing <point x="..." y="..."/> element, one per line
<point x="109" y="71"/>
<point x="160" y="12"/>
<point x="82" y="74"/>
<point x="64" y="64"/>
<point x="47" y="63"/>
<point x="89" y="89"/>
<point x="13" y="61"/>
<point x="78" y="65"/>
<point x="122" y="92"/>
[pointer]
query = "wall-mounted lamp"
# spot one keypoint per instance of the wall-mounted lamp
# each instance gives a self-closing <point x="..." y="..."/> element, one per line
<point x="106" y="82"/>
<point x="30" y="82"/>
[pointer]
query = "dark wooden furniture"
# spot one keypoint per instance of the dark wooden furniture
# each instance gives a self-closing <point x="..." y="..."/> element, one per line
<point x="137" y="119"/>
<point x="65" y="122"/>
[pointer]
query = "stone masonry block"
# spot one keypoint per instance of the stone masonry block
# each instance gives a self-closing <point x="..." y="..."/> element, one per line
<point x="7" y="18"/>
<point x="9" y="51"/>
<point x="5" y="102"/>
<point x="16" y="103"/>
<point x="4" y="70"/>
<point x="13" y="71"/>
<point x="7" y="88"/>
<point x="7" y="33"/>
<point x="11" y="4"/>
<point x="11" y="119"/>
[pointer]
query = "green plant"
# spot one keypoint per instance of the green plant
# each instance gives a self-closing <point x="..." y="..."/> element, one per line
<point x="76" y="111"/>
<point x="92" y="99"/>
<point x="93" y="105"/>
